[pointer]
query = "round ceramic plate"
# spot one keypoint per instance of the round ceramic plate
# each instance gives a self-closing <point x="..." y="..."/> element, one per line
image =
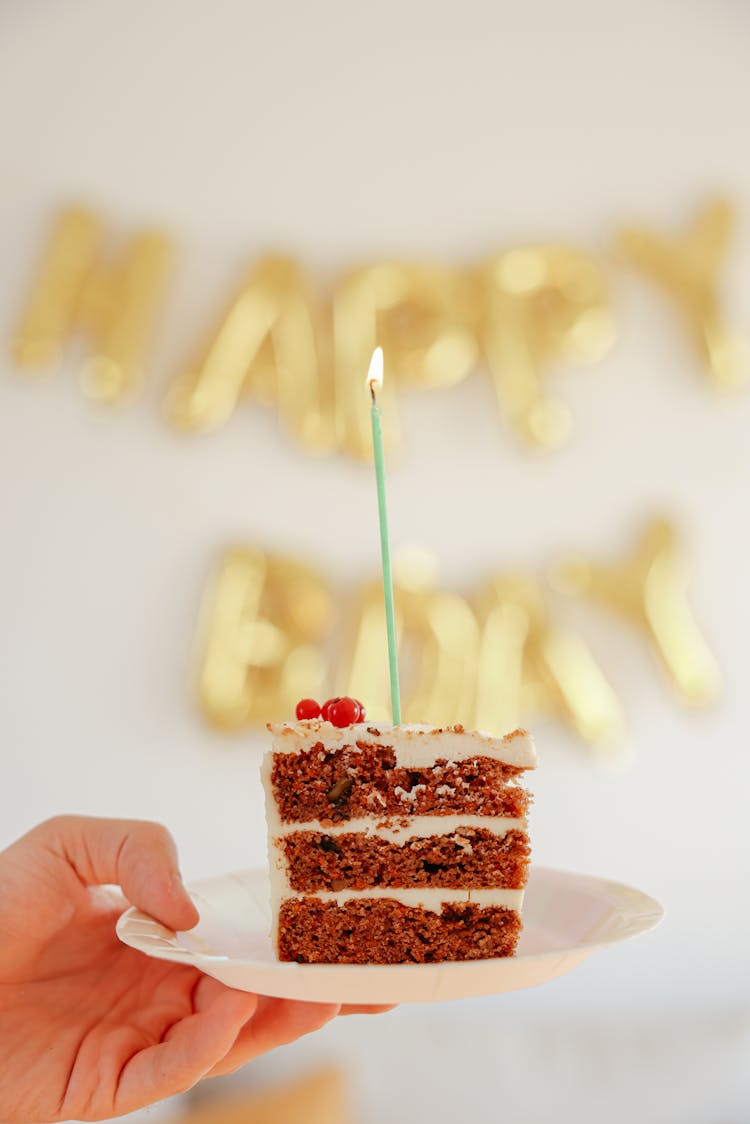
<point x="566" y="917"/>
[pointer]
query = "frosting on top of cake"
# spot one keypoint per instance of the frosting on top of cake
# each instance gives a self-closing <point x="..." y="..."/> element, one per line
<point x="415" y="746"/>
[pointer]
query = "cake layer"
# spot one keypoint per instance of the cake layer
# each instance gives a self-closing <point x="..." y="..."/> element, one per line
<point x="414" y="746"/>
<point x="334" y="785"/>
<point x="385" y="931"/>
<point x="468" y="858"/>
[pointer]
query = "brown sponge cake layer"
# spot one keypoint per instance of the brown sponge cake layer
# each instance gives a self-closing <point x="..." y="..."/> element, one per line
<point x="382" y="931"/>
<point x="362" y="780"/>
<point x="467" y="858"/>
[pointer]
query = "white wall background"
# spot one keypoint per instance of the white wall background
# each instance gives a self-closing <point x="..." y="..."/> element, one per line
<point x="344" y="132"/>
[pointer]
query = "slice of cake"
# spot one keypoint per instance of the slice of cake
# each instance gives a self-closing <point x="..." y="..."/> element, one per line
<point x="395" y="844"/>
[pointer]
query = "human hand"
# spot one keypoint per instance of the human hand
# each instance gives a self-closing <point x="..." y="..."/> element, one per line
<point x="91" y="1029"/>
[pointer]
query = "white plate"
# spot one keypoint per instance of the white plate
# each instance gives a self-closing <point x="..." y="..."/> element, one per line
<point x="566" y="917"/>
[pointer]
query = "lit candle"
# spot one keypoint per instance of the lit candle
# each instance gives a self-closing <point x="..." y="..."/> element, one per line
<point x="374" y="382"/>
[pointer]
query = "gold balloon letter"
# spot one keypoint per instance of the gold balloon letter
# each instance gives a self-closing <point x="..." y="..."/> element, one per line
<point x="649" y="589"/>
<point x="269" y="343"/>
<point x="438" y="638"/>
<point x="262" y="625"/>
<point x="688" y="268"/>
<point x="422" y="316"/>
<point x="527" y="664"/>
<point x="115" y="303"/>
<point x="541" y="304"/>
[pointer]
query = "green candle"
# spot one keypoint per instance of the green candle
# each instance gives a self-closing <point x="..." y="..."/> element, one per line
<point x="375" y="380"/>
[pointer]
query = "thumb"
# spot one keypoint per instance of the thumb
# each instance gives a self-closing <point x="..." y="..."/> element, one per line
<point x="138" y="856"/>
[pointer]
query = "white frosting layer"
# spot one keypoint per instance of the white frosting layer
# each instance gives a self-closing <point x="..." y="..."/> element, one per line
<point x="415" y="747"/>
<point x="422" y="898"/>
<point x="398" y="831"/>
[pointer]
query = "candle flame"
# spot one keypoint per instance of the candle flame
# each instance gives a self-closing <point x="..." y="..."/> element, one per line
<point x="375" y="373"/>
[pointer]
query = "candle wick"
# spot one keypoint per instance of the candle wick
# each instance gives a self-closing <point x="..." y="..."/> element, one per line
<point x="372" y="391"/>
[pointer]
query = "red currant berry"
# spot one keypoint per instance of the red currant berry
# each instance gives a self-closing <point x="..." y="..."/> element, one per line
<point x="326" y="708"/>
<point x="343" y="712"/>
<point x="307" y="708"/>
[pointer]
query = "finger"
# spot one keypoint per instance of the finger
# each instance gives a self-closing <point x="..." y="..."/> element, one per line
<point x="367" y="1008"/>
<point x="276" y="1022"/>
<point x="193" y="1047"/>
<point x="140" y="857"/>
